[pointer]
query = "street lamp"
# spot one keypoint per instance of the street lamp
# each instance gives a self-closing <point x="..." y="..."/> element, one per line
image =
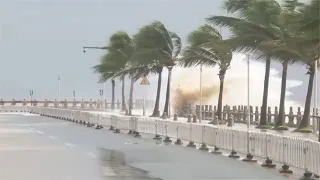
<point x="168" y="90"/>
<point x="31" y="94"/>
<point x="314" y="122"/>
<point x="249" y="157"/>
<point x="248" y="95"/>
<point x="58" y="91"/>
<point x="200" y="117"/>
<point x="85" y="48"/>
<point x="96" y="47"/>
<point x="74" y="95"/>
<point x="101" y="95"/>
<point x="104" y="89"/>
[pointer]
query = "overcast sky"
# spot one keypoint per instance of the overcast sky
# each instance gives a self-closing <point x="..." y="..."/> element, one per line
<point x="41" y="39"/>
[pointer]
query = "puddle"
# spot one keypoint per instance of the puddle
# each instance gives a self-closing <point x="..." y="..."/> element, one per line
<point x="115" y="167"/>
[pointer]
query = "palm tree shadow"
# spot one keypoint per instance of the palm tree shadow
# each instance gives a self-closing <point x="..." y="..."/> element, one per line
<point x="115" y="167"/>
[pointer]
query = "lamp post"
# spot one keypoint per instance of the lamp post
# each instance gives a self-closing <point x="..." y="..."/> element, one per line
<point x="58" y="91"/>
<point x="31" y="95"/>
<point x="93" y="47"/>
<point x="101" y="96"/>
<point x="74" y="95"/>
<point x="168" y="93"/>
<point x="315" y="87"/>
<point x="248" y="92"/>
<point x="200" y="116"/>
<point x="249" y="156"/>
<point x="248" y="101"/>
<point x="104" y="96"/>
<point x="101" y="48"/>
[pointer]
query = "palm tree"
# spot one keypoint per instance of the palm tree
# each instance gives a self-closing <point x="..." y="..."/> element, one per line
<point x="107" y="70"/>
<point x="156" y="47"/>
<point x="308" y="42"/>
<point x="286" y="23"/>
<point x="120" y="49"/>
<point x="134" y="71"/>
<point x="208" y="48"/>
<point x="172" y="51"/>
<point x="299" y="43"/>
<point x="122" y="45"/>
<point x="252" y="25"/>
<point x="296" y="44"/>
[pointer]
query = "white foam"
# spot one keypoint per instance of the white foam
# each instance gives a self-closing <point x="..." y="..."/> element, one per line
<point x="235" y="87"/>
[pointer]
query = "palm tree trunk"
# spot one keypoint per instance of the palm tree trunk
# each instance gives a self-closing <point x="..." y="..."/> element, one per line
<point x="263" y="116"/>
<point x="280" y="118"/>
<point x="166" y="104"/>
<point x="307" y="106"/>
<point x="123" y="98"/>
<point x="131" y="97"/>
<point x="219" y="110"/>
<point x="113" y="83"/>
<point x="156" y="112"/>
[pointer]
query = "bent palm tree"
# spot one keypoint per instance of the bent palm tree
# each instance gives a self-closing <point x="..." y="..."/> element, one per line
<point x="121" y="44"/>
<point x="252" y="25"/>
<point x="134" y="72"/>
<point x="297" y="44"/>
<point x="120" y="49"/>
<point x="107" y="70"/>
<point x="308" y="42"/>
<point x="156" y="47"/>
<point x="209" y="49"/>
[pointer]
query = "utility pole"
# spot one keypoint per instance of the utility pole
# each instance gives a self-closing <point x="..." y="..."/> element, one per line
<point x="31" y="95"/>
<point x="200" y="116"/>
<point x="58" y="91"/>
<point x="315" y="95"/>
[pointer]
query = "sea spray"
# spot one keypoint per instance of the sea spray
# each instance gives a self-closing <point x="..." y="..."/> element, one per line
<point x="185" y="87"/>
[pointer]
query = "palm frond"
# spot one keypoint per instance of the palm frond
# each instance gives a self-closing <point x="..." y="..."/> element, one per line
<point x="197" y="55"/>
<point x="156" y="45"/>
<point x="261" y="12"/>
<point x="241" y="26"/>
<point x="177" y="44"/>
<point x="203" y="34"/>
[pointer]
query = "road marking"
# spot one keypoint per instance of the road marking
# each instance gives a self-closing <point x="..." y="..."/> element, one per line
<point x="17" y="148"/>
<point x="70" y="145"/>
<point x="52" y="137"/>
<point x="108" y="171"/>
<point x="90" y="154"/>
<point x="40" y="132"/>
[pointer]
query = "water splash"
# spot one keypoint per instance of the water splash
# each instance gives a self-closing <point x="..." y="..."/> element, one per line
<point x="235" y="87"/>
<point x="186" y="85"/>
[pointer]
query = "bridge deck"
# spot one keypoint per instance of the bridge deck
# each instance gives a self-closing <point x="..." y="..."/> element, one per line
<point x="42" y="148"/>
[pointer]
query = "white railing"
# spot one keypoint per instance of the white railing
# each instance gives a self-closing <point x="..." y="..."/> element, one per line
<point x="12" y="109"/>
<point x="292" y="151"/>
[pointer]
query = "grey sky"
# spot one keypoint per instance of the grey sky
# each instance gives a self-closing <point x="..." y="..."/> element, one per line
<point x="43" y="38"/>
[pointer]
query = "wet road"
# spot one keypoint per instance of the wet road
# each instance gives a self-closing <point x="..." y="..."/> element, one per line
<point x="40" y="148"/>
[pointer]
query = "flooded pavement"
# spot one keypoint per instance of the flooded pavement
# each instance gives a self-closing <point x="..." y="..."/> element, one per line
<point x="40" y="148"/>
<point x="115" y="167"/>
